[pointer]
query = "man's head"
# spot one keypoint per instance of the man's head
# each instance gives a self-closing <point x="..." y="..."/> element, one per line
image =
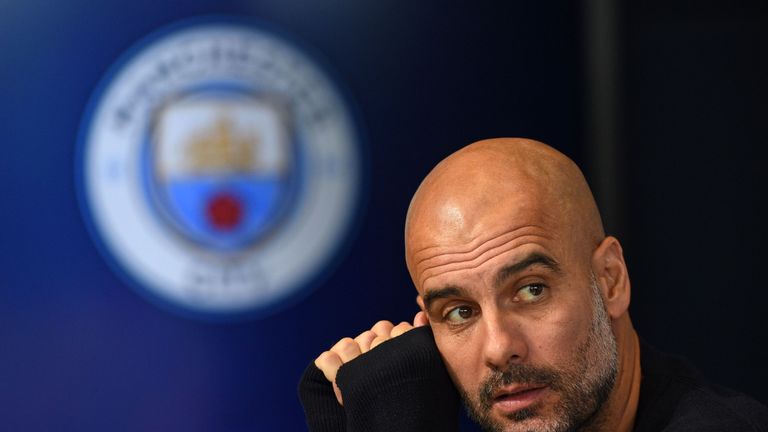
<point x="522" y="289"/>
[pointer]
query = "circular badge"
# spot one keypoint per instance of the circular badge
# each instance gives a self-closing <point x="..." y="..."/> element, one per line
<point x="219" y="168"/>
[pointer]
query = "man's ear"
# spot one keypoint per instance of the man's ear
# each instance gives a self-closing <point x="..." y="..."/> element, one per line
<point x="611" y="272"/>
<point x="421" y="318"/>
<point x="420" y="302"/>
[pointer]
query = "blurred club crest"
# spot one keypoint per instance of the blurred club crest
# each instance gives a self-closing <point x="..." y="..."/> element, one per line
<point x="219" y="169"/>
<point x="222" y="170"/>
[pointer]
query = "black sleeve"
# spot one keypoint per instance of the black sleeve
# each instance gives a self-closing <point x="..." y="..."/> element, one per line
<point x="322" y="411"/>
<point x="401" y="385"/>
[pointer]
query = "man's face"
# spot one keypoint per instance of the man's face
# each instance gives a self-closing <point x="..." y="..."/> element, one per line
<point x="521" y="326"/>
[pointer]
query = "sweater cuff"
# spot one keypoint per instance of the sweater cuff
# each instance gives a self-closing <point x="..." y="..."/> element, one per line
<point x="321" y="409"/>
<point x="401" y="385"/>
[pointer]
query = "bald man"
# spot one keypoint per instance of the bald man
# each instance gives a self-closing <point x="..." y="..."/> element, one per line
<point x="524" y="315"/>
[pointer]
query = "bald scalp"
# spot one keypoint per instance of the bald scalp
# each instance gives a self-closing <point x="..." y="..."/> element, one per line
<point x="488" y="183"/>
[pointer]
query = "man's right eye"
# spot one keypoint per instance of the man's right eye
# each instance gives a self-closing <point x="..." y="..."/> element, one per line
<point x="459" y="314"/>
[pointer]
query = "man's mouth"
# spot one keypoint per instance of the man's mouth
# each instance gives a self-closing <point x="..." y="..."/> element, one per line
<point x="516" y="397"/>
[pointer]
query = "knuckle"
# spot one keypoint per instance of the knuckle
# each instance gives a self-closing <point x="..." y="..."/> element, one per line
<point x="346" y="346"/>
<point x="366" y="335"/>
<point x="378" y="340"/>
<point x="400" y="328"/>
<point x="326" y="359"/>
<point x="344" y="340"/>
<point x="382" y="323"/>
<point x="342" y="344"/>
<point x="325" y="356"/>
<point x="382" y="327"/>
<point x="364" y="340"/>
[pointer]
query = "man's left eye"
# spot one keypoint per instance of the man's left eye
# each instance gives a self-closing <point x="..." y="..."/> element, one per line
<point x="531" y="292"/>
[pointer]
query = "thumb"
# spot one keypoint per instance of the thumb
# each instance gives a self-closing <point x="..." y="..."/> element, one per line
<point x="337" y="392"/>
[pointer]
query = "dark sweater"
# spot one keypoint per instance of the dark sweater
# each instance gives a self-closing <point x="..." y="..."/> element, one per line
<point x="399" y="386"/>
<point x="673" y="397"/>
<point x="402" y="386"/>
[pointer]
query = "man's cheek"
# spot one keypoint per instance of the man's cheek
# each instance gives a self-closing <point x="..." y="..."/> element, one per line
<point x="553" y="340"/>
<point x="461" y="365"/>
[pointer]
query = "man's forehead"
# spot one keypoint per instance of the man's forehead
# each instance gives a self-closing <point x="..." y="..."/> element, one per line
<point x="463" y="223"/>
<point x="453" y="219"/>
<point x="438" y="263"/>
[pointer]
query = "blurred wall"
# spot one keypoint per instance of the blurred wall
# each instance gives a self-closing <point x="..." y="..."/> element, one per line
<point x="81" y="350"/>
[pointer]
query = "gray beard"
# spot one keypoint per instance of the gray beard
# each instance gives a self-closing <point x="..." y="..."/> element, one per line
<point x="584" y="390"/>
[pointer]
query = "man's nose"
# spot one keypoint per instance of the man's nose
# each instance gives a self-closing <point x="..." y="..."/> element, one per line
<point x="505" y="342"/>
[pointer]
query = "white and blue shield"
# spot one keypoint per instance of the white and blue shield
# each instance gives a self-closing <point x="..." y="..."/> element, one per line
<point x="220" y="168"/>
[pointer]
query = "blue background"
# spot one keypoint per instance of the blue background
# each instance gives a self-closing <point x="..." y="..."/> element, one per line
<point x="81" y="351"/>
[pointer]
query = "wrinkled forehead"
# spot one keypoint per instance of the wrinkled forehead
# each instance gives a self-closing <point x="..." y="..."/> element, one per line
<point x="467" y="224"/>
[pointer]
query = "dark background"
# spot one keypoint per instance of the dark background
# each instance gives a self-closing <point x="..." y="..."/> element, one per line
<point x="695" y="115"/>
<point x="679" y="176"/>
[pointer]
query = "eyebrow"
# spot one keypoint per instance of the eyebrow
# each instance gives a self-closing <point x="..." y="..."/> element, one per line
<point x="535" y="258"/>
<point x="505" y="273"/>
<point x="444" y="292"/>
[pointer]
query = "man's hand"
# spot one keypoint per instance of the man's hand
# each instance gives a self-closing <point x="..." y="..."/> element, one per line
<point x="348" y="349"/>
